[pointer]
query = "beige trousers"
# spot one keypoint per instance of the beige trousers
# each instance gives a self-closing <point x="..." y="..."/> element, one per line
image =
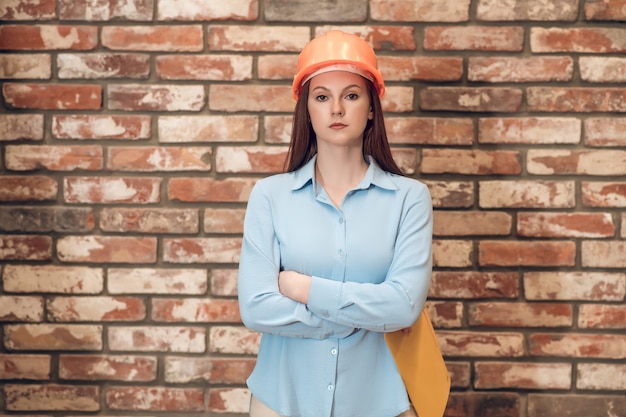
<point x="258" y="409"/>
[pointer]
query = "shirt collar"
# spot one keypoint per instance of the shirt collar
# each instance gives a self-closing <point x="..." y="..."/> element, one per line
<point x="374" y="176"/>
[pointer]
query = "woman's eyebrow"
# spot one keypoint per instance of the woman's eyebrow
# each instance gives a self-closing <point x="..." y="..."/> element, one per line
<point x="321" y="87"/>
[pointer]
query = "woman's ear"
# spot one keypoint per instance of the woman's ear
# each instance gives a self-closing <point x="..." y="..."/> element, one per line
<point x="370" y="115"/>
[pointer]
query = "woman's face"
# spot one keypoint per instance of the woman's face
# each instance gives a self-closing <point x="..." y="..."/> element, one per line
<point x="339" y="107"/>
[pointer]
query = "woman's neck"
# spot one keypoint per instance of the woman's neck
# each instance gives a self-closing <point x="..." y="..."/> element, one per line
<point x="339" y="172"/>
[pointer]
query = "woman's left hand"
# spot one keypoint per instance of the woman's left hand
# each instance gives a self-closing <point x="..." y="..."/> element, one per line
<point x="294" y="285"/>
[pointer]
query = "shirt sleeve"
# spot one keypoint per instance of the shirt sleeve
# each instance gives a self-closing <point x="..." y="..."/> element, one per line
<point x="398" y="301"/>
<point x="263" y="308"/>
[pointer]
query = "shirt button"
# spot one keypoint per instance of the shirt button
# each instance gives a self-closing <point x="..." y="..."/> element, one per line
<point x="333" y="351"/>
<point x="330" y="387"/>
<point x="340" y="220"/>
<point x="341" y="253"/>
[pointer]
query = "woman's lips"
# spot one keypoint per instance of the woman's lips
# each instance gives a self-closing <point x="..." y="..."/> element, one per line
<point x="337" y="126"/>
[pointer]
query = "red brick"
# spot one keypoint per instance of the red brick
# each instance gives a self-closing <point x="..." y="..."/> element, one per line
<point x="474" y="38"/>
<point x="157" y="339"/>
<point x="398" y="99"/>
<point x="208" y="369"/>
<point x="575" y="285"/>
<point x="580" y="40"/>
<point x="578" y="345"/>
<point x="48" y="37"/>
<point x="28" y="10"/>
<point x="451" y="194"/>
<point x="52" y="397"/>
<point x="195" y="10"/>
<point x="104" y="10"/>
<point x="406" y="159"/>
<point x="257" y="38"/>
<point x="520" y="70"/>
<point x="25" y="66"/>
<point x="526" y="253"/>
<point x="470" y="162"/>
<point x="53" y="158"/>
<point x="605" y="131"/>
<point x="208" y="128"/>
<point x="471" y="99"/>
<point x="25" y="248"/>
<point x="277" y="66"/>
<point x="223" y="281"/>
<point x="534" y="10"/>
<point x="430" y="130"/>
<point x="195" y="310"/>
<point x="53" y="337"/>
<point x="436" y="69"/>
<point x="228" y="400"/>
<point x="588" y="162"/>
<point x="490" y="404"/>
<point x="156" y="281"/>
<point x="153" y="38"/>
<point x="452" y="253"/>
<point x="603" y="254"/>
<point x="250" y="159"/>
<point x="28" y="188"/>
<point x="520" y="314"/>
<point x="528" y="194"/>
<point x="605" y="10"/>
<point x="233" y="339"/>
<point x="277" y="129"/>
<point x="21" y="127"/>
<point x="473" y="344"/>
<point x="468" y="223"/>
<point x="149" y="220"/>
<point x="251" y="98"/>
<point x="101" y="190"/>
<point x="107" y="249"/>
<point x="446" y="314"/>
<point x="509" y="375"/>
<point x="103" y="65"/>
<point x="604" y="194"/>
<point x="589" y="225"/>
<point x="136" y="97"/>
<point x="223" y="220"/>
<point x="419" y="11"/>
<point x="52" y="279"/>
<point x="120" y="127"/>
<point x="159" y="158"/>
<point x="473" y="284"/>
<point x="178" y="400"/>
<point x="280" y="11"/>
<point x="21" y="308"/>
<point x="19" y="366"/>
<point x="602" y="69"/>
<point x="381" y="37"/>
<point x="53" y="96"/>
<point x="107" y="368"/>
<point x="40" y="219"/>
<point x="204" y="67"/>
<point x="231" y="190"/>
<point x="529" y="130"/>
<point x="574" y="405"/>
<point x="580" y="100"/>
<point x="600" y="316"/>
<point x="202" y="250"/>
<point x="98" y="309"/>
<point x="459" y="374"/>
<point x="599" y="376"/>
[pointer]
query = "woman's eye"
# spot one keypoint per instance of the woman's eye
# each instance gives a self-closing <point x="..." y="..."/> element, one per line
<point x="321" y="97"/>
<point x="352" y="96"/>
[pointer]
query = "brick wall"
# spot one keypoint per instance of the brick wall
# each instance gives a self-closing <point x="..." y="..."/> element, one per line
<point x="133" y="130"/>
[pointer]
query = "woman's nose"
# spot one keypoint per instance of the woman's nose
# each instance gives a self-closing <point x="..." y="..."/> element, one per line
<point x="337" y="109"/>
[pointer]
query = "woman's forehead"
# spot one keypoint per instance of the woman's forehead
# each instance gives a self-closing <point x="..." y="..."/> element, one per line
<point x="337" y="79"/>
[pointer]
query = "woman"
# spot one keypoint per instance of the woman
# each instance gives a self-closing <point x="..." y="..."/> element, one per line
<point x="336" y="251"/>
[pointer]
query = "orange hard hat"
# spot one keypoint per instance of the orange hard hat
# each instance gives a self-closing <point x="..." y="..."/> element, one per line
<point x="337" y="51"/>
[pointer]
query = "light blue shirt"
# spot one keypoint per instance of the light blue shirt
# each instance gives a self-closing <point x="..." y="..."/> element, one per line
<point x="371" y="264"/>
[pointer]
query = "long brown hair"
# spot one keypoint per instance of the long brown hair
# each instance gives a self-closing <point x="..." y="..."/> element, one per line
<point x="303" y="145"/>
